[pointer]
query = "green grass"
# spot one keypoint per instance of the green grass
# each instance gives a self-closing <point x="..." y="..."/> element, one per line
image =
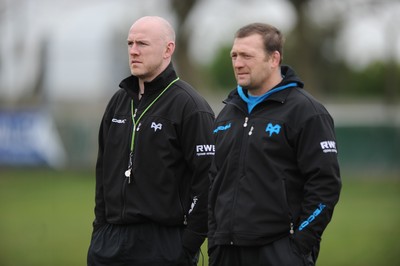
<point x="365" y="227"/>
<point x="45" y="219"/>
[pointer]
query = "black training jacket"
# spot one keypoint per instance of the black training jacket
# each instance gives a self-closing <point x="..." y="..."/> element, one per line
<point x="275" y="172"/>
<point x="172" y="153"/>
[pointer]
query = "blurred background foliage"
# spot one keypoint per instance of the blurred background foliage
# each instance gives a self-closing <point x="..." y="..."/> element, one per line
<point x="309" y="49"/>
<point x="336" y="80"/>
<point x="313" y="29"/>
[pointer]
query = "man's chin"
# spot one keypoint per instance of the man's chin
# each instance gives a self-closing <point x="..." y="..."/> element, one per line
<point x="137" y="73"/>
<point x="243" y="84"/>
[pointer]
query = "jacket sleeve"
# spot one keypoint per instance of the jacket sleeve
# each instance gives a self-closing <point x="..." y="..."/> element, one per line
<point x="198" y="151"/>
<point x="317" y="160"/>
<point x="99" y="209"/>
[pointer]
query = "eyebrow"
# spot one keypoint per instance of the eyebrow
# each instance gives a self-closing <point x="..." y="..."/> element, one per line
<point x="240" y="53"/>
<point x="138" y="41"/>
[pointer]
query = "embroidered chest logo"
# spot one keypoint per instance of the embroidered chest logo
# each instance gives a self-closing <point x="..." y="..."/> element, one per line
<point x="118" y="121"/>
<point x="222" y="128"/>
<point x="271" y="129"/>
<point x="156" y="126"/>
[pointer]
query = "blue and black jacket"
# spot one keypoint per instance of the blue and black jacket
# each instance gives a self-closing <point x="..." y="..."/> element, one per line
<point x="275" y="172"/>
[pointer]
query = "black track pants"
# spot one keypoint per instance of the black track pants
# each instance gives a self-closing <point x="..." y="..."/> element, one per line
<point x="137" y="245"/>
<point x="279" y="253"/>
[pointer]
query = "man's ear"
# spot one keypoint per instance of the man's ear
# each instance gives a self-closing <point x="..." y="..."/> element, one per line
<point x="276" y="58"/>
<point x="169" y="50"/>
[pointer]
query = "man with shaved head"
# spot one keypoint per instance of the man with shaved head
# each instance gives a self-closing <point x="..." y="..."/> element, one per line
<point x="153" y="159"/>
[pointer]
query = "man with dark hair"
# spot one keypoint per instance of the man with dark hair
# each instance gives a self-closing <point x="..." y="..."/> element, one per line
<point x="275" y="176"/>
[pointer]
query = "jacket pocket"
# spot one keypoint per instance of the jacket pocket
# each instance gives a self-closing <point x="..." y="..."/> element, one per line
<point x="286" y="205"/>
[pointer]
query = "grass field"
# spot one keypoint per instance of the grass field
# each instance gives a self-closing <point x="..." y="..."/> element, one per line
<point x="45" y="219"/>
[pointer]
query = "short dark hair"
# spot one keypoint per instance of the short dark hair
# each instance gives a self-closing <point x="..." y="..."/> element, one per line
<point x="273" y="38"/>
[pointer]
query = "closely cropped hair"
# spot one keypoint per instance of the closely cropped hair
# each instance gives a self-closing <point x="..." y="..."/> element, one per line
<point x="273" y="38"/>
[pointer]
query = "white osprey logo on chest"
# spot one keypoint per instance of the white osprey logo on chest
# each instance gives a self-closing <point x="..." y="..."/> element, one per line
<point x="156" y="126"/>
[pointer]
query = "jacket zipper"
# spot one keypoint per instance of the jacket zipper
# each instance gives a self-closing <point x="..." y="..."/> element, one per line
<point x="241" y="162"/>
<point x="131" y="157"/>
<point x="290" y="216"/>
<point x="123" y="195"/>
<point x="185" y="218"/>
<point x="128" y="173"/>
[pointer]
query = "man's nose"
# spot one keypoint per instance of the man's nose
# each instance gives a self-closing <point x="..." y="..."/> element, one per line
<point x="133" y="49"/>
<point x="237" y="63"/>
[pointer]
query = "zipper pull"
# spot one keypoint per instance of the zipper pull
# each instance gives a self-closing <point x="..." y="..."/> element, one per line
<point x="134" y="115"/>
<point x="291" y="229"/>
<point x="251" y="131"/>
<point x="138" y="127"/>
<point x="129" y="170"/>
<point x="185" y="220"/>
<point x="245" y="121"/>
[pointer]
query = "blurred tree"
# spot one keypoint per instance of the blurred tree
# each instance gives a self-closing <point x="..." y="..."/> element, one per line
<point x="303" y="48"/>
<point x="187" y="69"/>
<point x="367" y="82"/>
<point x="311" y="50"/>
<point x="220" y="70"/>
<point x="392" y="76"/>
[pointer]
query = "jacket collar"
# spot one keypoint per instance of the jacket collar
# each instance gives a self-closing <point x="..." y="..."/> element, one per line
<point x="289" y="76"/>
<point x="131" y="83"/>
